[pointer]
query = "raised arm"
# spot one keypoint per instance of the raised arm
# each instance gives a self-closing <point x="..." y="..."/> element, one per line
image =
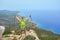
<point x="28" y="18"/>
<point x="18" y="18"/>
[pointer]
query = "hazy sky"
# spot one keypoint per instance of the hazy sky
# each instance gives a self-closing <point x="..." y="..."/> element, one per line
<point x="30" y="4"/>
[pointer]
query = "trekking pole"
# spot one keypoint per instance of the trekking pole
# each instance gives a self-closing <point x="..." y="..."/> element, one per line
<point x="30" y="21"/>
<point x="30" y="17"/>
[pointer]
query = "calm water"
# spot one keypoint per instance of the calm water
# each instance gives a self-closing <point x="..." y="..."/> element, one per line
<point x="48" y="20"/>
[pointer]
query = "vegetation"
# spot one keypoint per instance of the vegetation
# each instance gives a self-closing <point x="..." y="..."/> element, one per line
<point x="7" y="18"/>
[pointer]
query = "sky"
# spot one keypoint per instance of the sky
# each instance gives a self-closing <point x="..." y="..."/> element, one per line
<point x="30" y="4"/>
<point x="36" y="6"/>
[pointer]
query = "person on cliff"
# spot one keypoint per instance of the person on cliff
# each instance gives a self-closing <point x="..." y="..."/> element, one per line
<point x="22" y="23"/>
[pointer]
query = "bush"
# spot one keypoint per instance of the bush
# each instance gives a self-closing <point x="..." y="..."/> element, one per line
<point x="29" y="38"/>
<point x="7" y="32"/>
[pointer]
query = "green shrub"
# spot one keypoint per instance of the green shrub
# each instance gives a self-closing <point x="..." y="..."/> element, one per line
<point x="29" y="38"/>
<point x="7" y="32"/>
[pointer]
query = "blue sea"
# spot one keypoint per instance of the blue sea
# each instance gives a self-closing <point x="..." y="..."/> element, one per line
<point x="46" y="19"/>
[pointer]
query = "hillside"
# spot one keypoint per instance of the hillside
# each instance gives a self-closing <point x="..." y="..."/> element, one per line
<point x="7" y="18"/>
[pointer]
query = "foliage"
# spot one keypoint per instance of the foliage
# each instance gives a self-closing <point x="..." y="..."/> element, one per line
<point x="8" y="18"/>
